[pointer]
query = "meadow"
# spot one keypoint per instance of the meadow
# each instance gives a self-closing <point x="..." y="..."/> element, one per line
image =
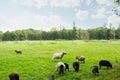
<point x="35" y="63"/>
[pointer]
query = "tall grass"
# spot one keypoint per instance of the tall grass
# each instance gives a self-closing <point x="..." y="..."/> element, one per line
<point x="36" y="61"/>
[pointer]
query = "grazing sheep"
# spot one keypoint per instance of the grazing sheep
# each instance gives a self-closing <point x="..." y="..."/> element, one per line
<point x="67" y="66"/>
<point x="60" y="67"/>
<point x="76" y="66"/>
<point x="59" y="55"/>
<point x="51" y="77"/>
<point x="81" y="58"/>
<point x="105" y="63"/>
<point x="18" y="51"/>
<point x="14" y="76"/>
<point x="95" y="70"/>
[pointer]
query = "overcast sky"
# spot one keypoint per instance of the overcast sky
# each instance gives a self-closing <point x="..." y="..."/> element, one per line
<point x="45" y="14"/>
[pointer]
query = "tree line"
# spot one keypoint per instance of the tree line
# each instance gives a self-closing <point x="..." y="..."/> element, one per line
<point x="66" y="34"/>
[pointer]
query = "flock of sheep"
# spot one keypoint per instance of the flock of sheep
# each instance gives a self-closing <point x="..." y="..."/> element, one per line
<point x="61" y="67"/>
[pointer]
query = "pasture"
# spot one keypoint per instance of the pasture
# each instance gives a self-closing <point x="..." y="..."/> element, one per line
<point x="35" y="62"/>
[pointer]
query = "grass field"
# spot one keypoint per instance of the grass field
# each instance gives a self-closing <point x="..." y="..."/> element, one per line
<point x="36" y="61"/>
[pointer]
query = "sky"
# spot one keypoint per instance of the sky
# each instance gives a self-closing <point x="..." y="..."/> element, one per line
<point x="46" y="14"/>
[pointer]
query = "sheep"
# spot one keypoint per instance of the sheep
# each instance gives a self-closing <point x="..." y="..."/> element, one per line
<point x="95" y="70"/>
<point x="67" y="66"/>
<point x="18" y="51"/>
<point x="105" y="63"/>
<point x="76" y="66"/>
<point x="14" y="76"/>
<point x="60" y="68"/>
<point x="51" y="77"/>
<point x="59" y="55"/>
<point x="81" y="58"/>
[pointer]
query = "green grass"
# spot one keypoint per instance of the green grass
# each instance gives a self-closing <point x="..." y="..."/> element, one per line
<point x="36" y="61"/>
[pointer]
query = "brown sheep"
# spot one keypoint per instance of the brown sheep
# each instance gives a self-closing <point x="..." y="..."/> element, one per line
<point x="81" y="58"/>
<point x="18" y="51"/>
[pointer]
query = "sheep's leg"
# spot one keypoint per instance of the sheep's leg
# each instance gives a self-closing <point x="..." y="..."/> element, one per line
<point x="62" y="72"/>
<point x="100" y="66"/>
<point x="68" y="69"/>
<point x="84" y="61"/>
<point x="95" y="73"/>
<point x="65" y="69"/>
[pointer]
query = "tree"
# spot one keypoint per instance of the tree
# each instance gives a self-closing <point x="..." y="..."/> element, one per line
<point x="54" y="33"/>
<point x="74" y="32"/>
<point x="1" y="34"/>
<point x="63" y="33"/>
<point x="92" y="33"/>
<point x="6" y="36"/>
<point x="111" y="31"/>
<point x="118" y="32"/>
<point x="101" y="33"/>
<point x="9" y="36"/>
<point x="116" y="8"/>
<point x="79" y="31"/>
<point x="85" y="35"/>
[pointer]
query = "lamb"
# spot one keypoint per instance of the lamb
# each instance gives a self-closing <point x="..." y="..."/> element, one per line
<point x="76" y="66"/>
<point x="105" y="63"/>
<point x="95" y="70"/>
<point x="14" y="76"/>
<point x="18" y="51"/>
<point x="60" y="68"/>
<point x="67" y="66"/>
<point x="81" y="58"/>
<point x="59" y="55"/>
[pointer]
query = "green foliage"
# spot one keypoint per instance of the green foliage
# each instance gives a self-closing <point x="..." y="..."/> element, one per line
<point x="118" y="32"/>
<point x="1" y="34"/>
<point x="65" y="34"/>
<point x="36" y="61"/>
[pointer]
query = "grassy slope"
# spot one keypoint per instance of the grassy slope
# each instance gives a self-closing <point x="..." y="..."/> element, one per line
<point x="35" y="63"/>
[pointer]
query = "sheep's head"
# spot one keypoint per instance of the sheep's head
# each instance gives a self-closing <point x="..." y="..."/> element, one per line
<point x="15" y="50"/>
<point x="77" y="57"/>
<point x="64" y="53"/>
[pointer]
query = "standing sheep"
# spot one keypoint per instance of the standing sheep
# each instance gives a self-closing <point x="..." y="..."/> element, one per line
<point x="14" y="76"/>
<point x="18" y="51"/>
<point x="76" y="66"/>
<point x="81" y="58"/>
<point x="60" y="68"/>
<point x="95" y="70"/>
<point x="59" y="55"/>
<point x="67" y="66"/>
<point x="105" y="63"/>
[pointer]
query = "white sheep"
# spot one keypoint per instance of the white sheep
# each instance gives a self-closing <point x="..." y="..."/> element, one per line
<point x="80" y="58"/>
<point x="60" y="68"/>
<point x="58" y="55"/>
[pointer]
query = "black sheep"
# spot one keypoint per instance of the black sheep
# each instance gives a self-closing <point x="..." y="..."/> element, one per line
<point x="95" y="70"/>
<point x="14" y="76"/>
<point x="76" y="66"/>
<point x="66" y="66"/>
<point x="105" y="63"/>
